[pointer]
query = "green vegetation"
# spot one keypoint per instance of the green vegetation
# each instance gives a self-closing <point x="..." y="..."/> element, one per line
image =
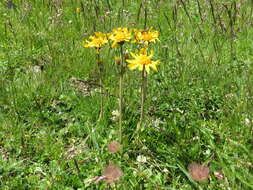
<point x="198" y="108"/>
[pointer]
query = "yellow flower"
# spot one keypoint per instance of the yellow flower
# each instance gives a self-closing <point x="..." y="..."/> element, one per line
<point x="145" y="36"/>
<point x="78" y="10"/>
<point x="96" y="41"/>
<point x="143" y="61"/>
<point x="119" y="36"/>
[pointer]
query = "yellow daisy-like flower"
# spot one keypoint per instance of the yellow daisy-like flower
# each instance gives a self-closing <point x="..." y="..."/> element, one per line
<point x="78" y="10"/>
<point x="145" y="36"/>
<point x="119" y="36"/>
<point x="143" y="61"/>
<point x="96" y="41"/>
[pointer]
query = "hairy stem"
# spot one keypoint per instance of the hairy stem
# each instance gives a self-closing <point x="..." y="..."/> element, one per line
<point x="143" y="93"/>
<point x="100" y="70"/>
<point x="77" y="168"/>
<point x="121" y="93"/>
<point x="145" y="16"/>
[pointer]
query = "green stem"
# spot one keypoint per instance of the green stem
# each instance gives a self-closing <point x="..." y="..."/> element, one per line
<point x="101" y="100"/>
<point x="77" y="168"/>
<point x="145" y="15"/>
<point x="143" y="93"/>
<point x="139" y="13"/>
<point x="100" y="70"/>
<point x="121" y="93"/>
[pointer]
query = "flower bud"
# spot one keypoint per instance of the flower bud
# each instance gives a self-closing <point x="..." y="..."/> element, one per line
<point x="117" y="60"/>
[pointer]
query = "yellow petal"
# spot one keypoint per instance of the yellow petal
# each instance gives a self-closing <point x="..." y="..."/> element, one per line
<point x="132" y="66"/>
<point x="133" y="55"/>
<point x="152" y="54"/>
<point x="153" y="67"/>
<point x="131" y="61"/>
<point x="86" y="44"/>
<point x="143" y="51"/>
<point x="115" y="44"/>
<point x="156" y="62"/>
<point x="147" y="68"/>
<point x="140" y="67"/>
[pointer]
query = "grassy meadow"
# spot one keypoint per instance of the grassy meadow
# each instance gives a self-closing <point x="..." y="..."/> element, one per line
<point x="198" y="107"/>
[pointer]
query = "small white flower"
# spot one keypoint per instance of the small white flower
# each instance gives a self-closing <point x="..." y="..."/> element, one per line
<point x="157" y="122"/>
<point x="207" y="152"/>
<point x="115" y="115"/>
<point x="36" y="69"/>
<point x="247" y="122"/>
<point x="141" y="159"/>
<point x="144" y="148"/>
<point x="108" y="12"/>
<point x="154" y="98"/>
<point x="229" y="95"/>
<point x="165" y="170"/>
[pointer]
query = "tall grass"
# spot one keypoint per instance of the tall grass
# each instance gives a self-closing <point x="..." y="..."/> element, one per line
<point x="199" y="103"/>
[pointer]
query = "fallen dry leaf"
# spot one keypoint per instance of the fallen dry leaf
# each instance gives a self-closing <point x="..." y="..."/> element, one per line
<point x="112" y="173"/>
<point x="198" y="172"/>
<point x="113" y="146"/>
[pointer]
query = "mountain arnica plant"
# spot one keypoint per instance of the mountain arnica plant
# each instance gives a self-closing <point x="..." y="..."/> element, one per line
<point x="126" y="94"/>
<point x="141" y="60"/>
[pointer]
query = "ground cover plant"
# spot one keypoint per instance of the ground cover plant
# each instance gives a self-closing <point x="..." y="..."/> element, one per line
<point x="73" y="117"/>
